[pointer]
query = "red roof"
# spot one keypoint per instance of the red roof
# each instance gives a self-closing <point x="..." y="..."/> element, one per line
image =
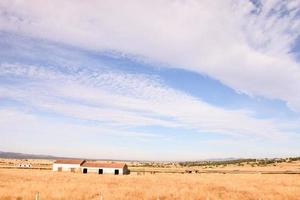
<point x="103" y="165"/>
<point x="69" y="161"/>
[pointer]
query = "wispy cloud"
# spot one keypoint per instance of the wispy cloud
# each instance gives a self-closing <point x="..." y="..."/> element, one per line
<point x="30" y="123"/>
<point x="55" y="83"/>
<point x="245" y="45"/>
<point x="123" y="100"/>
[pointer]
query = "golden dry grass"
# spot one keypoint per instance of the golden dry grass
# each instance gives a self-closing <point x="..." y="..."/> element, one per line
<point x="24" y="183"/>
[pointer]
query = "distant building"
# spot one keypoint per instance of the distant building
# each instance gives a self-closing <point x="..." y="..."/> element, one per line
<point x="24" y="165"/>
<point x="85" y="167"/>
<point x="70" y="165"/>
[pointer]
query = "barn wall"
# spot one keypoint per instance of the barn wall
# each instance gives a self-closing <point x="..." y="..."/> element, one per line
<point x="105" y="170"/>
<point x="65" y="167"/>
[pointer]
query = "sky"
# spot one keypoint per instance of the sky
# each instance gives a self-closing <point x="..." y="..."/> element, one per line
<point x="150" y="80"/>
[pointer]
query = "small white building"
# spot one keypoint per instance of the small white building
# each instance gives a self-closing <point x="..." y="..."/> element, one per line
<point x="24" y="165"/>
<point x="104" y="168"/>
<point x="71" y="165"/>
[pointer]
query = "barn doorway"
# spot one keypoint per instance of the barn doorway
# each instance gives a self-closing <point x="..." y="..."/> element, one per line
<point x="84" y="170"/>
<point x="116" y="171"/>
<point x="59" y="169"/>
<point x="72" y="169"/>
<point x="100" y="171"/>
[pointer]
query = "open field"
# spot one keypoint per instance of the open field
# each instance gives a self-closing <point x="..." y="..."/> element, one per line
<point x="24" y="183"/>
<point x="281" y="167"/>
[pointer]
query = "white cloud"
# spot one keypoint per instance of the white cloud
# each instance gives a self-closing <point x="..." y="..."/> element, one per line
<point x="25" y="132"/>
<point x="121" y="100"/>
<point x="32" y="124"/>
<point x="248" y="52"/>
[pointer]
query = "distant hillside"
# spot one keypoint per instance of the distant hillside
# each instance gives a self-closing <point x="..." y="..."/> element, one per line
<point x="25" y="156"/>
<point x="15" y="155"/>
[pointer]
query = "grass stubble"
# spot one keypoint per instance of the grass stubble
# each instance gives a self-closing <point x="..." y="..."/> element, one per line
<point x="23" y="184"/>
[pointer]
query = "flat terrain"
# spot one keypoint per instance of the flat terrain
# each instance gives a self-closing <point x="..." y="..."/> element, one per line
<point x="24" y="183"/>
<point x="283" y="167"/>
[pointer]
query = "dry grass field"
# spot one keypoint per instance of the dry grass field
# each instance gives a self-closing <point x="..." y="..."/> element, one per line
<point x="24" y="183"/>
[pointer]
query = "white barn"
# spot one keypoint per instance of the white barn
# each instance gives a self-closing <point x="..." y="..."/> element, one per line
<point x="104" y="168"/>
<point x="71" y="165"/>
<point x="83" y="166"/>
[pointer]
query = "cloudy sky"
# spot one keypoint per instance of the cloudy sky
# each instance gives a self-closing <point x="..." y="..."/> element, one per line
<point x="151" y="80"/>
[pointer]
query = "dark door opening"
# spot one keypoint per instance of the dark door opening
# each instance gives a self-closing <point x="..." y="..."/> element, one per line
<point x="84" y="170"/>
<point x="116" y="171"/>
<point x="100" y="171"/>
<point x="59" y="169"/>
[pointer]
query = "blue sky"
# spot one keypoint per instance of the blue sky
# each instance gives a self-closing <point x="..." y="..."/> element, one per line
<point x="169" y="80"/>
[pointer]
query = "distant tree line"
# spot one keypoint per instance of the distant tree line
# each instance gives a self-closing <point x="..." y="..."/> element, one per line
<point x="239" y="162"/>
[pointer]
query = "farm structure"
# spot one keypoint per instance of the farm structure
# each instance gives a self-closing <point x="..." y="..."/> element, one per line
<point x="67" y="165"/>
<point x="104" y="168"/>
<point x="24" y="165"/>
<point x="85" y="167"/>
